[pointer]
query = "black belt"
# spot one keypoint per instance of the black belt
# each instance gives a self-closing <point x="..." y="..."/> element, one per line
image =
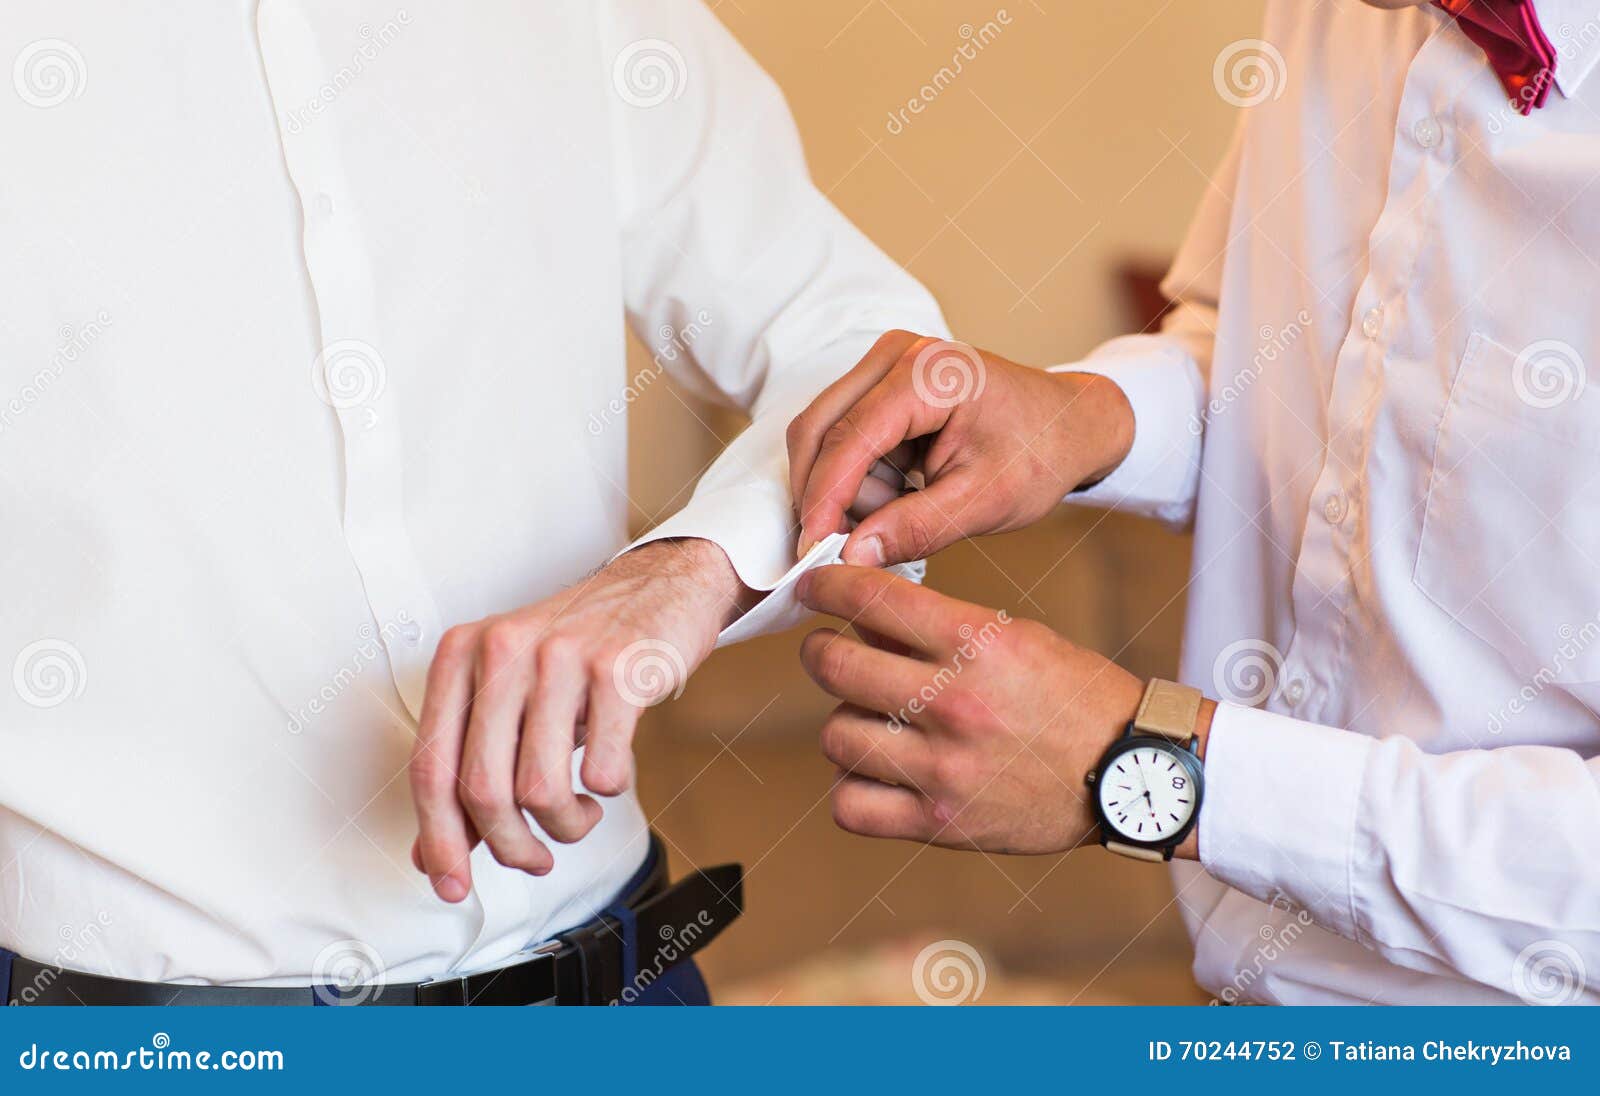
<point x="610" y="960"/>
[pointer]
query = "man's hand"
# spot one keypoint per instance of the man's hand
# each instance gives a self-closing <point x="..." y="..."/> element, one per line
<point x="998" y="446"/>
<point x="974" y="731"/>
<point x="509" y="698"/>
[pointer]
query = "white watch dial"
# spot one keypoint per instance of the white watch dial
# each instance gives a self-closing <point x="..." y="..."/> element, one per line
<point x="1146" y="794"/>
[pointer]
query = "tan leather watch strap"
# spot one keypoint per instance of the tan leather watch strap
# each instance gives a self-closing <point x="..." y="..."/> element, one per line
<point x="1169" y="710"/>
<point x="1155" y="856"/>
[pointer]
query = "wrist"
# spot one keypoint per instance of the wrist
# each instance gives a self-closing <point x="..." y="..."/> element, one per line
<point x="1101" y="426"/>
<point x="699" y="572"/>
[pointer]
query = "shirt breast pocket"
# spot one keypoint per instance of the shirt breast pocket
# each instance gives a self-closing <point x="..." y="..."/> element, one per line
<point x="1510" y="545"/>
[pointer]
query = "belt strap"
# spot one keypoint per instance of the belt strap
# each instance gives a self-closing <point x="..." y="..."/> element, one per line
<point x="592" y="965"/>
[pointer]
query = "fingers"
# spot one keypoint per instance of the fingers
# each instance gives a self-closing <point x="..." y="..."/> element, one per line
<point x="808" y="428"/>
<point x="890" y="413"/>
<point x="608" y="742"/>
<point x="850" y="670"/>
<point x="445" y="838"/>
<point x="543" y="784"/>
<point x="874" y="809"/>
<point x="865" y="743"/>
<point x="885" y="482"/>
<point x="917" y="524"/>
<point x="889" y="605"/>
<point x="489" y="758"/>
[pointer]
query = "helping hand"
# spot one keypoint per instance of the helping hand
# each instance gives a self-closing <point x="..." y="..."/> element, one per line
<point x="991" y="722"/>
<point x="998" y="446"/>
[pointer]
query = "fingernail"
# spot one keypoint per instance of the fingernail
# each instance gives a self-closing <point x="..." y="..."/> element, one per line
<point x="803" y="587"/>
<point x="865" y="553"/>
<point x="806" y="544"/>
<point x="611" y="767"/>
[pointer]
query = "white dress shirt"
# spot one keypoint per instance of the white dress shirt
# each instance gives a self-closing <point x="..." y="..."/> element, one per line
<point x="312" y="345"/>
<point x="1378" y="403"/>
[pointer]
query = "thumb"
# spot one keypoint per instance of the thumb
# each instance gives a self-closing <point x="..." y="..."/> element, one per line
<point x="914" y="526"/>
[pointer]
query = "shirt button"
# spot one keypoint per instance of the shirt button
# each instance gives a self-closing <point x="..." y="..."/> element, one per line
<point x="411" y="632"/>
<point x="1294" y="692"/>
<point x="324" y="203"/>
<point x="1334" y="508"/>
<point x="1372" y="323"/>
<point x="1427" y="132"/>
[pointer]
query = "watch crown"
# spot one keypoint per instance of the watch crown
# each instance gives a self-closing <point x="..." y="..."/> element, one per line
<point x="1090" y="776"/>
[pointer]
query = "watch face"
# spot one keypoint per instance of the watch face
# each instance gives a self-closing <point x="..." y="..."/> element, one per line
<point x="1148" y="792"/>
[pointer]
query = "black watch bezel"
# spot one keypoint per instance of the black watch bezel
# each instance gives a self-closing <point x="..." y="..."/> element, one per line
<point x="1137" y="740"/>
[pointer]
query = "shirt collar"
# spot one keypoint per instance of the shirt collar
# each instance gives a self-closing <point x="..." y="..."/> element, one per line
<point x="1573" y="27"/>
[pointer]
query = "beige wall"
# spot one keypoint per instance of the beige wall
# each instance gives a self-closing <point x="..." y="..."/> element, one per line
<point x="1078" y="138"/>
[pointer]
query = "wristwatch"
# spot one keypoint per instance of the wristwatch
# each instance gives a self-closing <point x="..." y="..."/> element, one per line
<point x="1147" y="785"/>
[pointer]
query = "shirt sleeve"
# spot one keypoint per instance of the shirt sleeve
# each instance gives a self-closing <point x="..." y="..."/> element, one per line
<point x="724" y="235"/>
<point x="1165" y="374"/>
<point x="1479" y="863"/>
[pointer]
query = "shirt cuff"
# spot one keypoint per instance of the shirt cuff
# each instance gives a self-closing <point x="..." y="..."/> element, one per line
<point x="1279" y="815"/>
<point x="742" y="502"/>
<point x="1159" y="476"/>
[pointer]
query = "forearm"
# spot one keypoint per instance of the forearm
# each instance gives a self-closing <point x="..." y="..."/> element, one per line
<point x="696" y="571"/>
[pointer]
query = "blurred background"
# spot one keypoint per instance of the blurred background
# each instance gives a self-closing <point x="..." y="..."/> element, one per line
<point x="1039" y="195"/>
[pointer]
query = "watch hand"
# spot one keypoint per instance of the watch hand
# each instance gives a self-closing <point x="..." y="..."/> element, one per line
<point x="1144" y="781"/>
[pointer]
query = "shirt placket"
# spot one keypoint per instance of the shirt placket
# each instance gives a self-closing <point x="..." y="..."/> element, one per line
<point x="350" y="372"/>
<point x="1336" y="520"/>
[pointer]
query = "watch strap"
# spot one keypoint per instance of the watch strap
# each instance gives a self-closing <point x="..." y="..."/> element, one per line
<point x="1169" y="710"/>
<point x="1136" y="852"/>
